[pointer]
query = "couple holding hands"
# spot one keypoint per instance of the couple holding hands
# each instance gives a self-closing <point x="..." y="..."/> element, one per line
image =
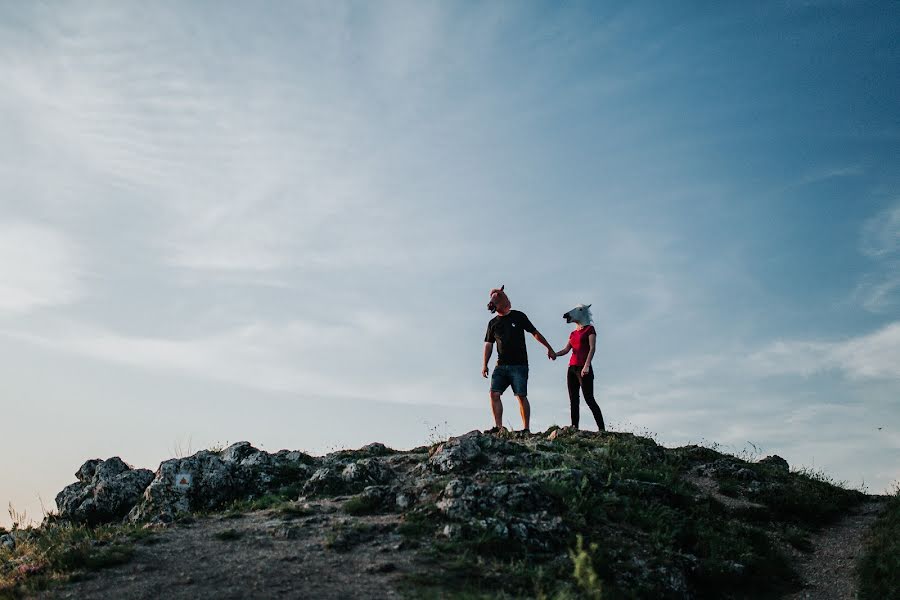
<point x="508" y="329"/>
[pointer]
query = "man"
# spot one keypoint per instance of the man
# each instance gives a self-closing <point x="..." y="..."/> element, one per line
<point x="508" y="329"/>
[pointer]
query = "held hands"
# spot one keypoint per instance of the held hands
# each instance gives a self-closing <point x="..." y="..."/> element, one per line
<point x="551" y="354"/>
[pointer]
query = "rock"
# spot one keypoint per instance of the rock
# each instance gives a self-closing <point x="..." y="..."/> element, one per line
<point x="376" y="449"/>
<point x="285" y="532"/>
<point x="776" y="462"/>
<point x="86" y="471"/>
<point x="458" y="499"/>
<point x="105" y="492"/>
<point x="203" y="481"/>
<point x="452" y="531"/>
<point x="367" y="471"/>
<point x="457" y="454"/>
<point x="745" y="474"/>
<point x="325" y="480"/>
<point x="275" y="471"/>
<point x="8" y="542"/>
<point x="379" y="497"/>
<point x="381" y="568"/>
<point x="493" y="527"/>
<point x="403" y="501"/>
<point x="723" y="467"/>
<point x="237" y="452"/>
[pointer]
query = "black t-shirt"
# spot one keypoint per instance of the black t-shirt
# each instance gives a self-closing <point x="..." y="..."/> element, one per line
<point x="509" y="333"/>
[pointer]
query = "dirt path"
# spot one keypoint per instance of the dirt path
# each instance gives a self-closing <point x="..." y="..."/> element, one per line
<point x="260" y="555"/>
<point x="828" y="570"/>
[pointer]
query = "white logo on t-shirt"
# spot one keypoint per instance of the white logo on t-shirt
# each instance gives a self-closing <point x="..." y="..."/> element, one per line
<point x="513" y="324"/>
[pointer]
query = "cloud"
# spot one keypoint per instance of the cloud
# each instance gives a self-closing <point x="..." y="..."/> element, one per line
<point x="308" y="358"/>
<point x="39" y="267"/>
<point x="881" y="234"/>
<point x="879" y="290"/>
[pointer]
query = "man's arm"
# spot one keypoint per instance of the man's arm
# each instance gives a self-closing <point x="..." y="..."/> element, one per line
<point x="488" y="348"/>
<point x="551" y="353"/>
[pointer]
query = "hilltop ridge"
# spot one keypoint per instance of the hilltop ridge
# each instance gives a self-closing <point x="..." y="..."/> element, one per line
<point x="558" y="514"/>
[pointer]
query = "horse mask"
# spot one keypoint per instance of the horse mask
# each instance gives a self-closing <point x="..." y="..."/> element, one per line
<point x="499" y="302"/>
<point x="581" y="314"/>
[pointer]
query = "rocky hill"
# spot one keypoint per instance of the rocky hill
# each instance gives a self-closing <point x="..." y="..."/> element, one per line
<point x="558" y="514"/>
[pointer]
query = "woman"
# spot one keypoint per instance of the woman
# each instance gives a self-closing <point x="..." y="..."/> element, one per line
<point x="583" y="344"/>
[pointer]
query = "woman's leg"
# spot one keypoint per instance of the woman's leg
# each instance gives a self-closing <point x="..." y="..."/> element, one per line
<point x="587" y="386"/>
<point x="573" y="384"/>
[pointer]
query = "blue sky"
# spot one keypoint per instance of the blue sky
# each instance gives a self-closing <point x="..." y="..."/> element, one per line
<point x="222" y="222"/>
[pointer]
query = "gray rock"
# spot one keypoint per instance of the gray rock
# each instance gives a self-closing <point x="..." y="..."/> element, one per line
<point x="745" y="474"/>
<point x="367" y="471"/>
<point x="86" y="471"/>
<point x="211" y="483"/>
<point x="105" y="492"/>
<point x="325" y="480"/>
<point x="237" y="452"/>
<point x="8" y="541"/>
<point x="457" y="454"/>
<point x="776" y="462"/>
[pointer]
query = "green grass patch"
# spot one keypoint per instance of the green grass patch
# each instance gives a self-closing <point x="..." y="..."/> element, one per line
<point x="361" y="505"/>
<point x="879" y="569"/>
<point x="59" y="551"/>
<point x="805" y="497"/>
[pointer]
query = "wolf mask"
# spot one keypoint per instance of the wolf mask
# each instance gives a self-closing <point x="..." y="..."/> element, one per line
<point x="581" y="314"/>
<point x="499" y="302"/>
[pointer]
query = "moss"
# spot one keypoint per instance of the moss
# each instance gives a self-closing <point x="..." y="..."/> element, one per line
<point x="879" y="569"/>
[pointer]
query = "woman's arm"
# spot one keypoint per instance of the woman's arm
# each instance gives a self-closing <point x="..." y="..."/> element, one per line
<point x="592" y="342"/>
<point x="565" y="350"/>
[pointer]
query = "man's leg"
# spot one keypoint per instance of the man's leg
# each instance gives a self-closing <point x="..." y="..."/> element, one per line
<point x="497" y="409"/>
<point x="525" y="409"/>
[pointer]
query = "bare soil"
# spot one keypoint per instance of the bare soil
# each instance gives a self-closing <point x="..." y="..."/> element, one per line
<point x="829" y="570"/>
<point x="262" y="554"/>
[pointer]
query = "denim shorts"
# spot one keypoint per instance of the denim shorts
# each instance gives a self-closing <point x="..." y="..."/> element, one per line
<point x="510" y="375"/>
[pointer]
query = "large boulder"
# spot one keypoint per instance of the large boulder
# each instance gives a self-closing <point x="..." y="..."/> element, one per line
<point x="106" y="491"/>
<point x="271" y="472"/>
<point x="204" y="481"/>
<point x="458" y="453"/>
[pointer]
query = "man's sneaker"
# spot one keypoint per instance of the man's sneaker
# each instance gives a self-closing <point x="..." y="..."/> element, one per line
<point x="495" y="430"/>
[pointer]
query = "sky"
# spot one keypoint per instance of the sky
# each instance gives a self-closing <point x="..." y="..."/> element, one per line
<point x="280" y="223"/>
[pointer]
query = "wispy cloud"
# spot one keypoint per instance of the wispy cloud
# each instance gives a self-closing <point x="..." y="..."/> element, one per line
<point x="879" y="289"/>
<point x="39" y="267"/>
<point x="307" y="358"/>
<point x="881" y="234"/>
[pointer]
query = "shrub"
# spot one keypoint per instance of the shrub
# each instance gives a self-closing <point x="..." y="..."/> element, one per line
<point x="879" y="569"/>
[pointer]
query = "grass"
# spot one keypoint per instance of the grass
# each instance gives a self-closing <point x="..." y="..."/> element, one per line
<point x="345" y="537"/>
<point x="58" y="552"/>
<point x="645" y="526"/>
<point x="879" y="569"/>
<point x="228" y="535"/>
<point x="804" y="497"/>
<point x="361" y="505"/>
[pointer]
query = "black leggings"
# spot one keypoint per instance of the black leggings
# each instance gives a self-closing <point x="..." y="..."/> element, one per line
<point x="574" y="380"/>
